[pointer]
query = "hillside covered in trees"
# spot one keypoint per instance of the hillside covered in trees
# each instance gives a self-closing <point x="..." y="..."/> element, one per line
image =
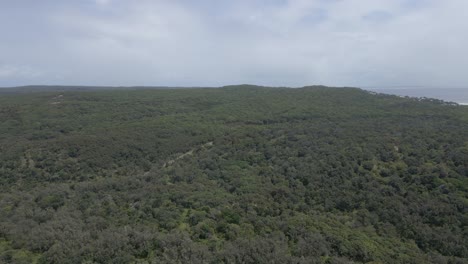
<point x="239" y="174"/>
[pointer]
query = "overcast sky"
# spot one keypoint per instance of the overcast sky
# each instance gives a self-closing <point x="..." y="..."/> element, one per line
<point x="220" y="42"/>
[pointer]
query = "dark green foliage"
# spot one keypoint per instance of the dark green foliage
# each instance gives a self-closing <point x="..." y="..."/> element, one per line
<point x="240" y="174"/>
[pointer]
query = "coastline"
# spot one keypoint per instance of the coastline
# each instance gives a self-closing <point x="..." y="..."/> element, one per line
<point x="456" y="95"/>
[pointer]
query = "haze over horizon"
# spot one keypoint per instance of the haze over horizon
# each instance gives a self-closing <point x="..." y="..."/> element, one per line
<point x="361" y="43"/>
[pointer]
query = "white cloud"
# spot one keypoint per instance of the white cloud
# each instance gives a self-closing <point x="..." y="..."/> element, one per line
<point x="295" y="42"/>
<point x="7" y="71"/>
<point x="103" y="2"/>
<point x="13" y="71"/>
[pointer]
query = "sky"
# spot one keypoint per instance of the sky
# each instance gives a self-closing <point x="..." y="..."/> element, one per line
<point x="364" y="43"/>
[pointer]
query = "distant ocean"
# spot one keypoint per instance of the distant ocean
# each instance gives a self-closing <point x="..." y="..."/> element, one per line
<point x="457" y="95"/>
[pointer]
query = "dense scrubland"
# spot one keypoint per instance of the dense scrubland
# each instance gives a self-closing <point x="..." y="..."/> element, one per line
<point x="240" y="174"/>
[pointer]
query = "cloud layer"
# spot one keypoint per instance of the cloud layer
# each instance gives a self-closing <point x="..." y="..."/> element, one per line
<point x="211" y="43"/>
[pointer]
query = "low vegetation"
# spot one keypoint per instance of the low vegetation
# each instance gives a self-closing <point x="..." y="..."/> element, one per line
<point x="240" y="174"/>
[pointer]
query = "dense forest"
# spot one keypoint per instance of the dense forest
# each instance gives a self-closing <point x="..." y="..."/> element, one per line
<point x="238" y="174"/>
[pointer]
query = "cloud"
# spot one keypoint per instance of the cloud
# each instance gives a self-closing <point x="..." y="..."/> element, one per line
<point x="11" y="71"/>
<point x="103" y="2"/>
<point x="294" y="43"/>
<point x="378" y="16"/>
